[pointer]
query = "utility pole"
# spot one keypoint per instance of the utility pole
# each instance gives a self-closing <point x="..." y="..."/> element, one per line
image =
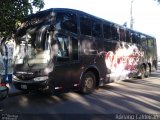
<point x="131" y="13"/>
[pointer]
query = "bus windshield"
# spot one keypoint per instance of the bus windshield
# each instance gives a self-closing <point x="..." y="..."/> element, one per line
<point x="32" y="45"/>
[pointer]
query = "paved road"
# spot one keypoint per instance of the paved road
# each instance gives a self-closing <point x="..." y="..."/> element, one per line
<point x="136" y="96"/>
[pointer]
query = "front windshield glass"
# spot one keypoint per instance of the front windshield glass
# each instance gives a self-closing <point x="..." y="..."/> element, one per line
<point x="32" y="45"/>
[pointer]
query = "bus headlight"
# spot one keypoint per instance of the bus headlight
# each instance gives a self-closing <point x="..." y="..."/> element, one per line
<point x="15" y="77"/>
<point x="41" y="78"/>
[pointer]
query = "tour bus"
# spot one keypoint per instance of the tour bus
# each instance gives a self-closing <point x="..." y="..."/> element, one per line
<point x="61" y="49"/>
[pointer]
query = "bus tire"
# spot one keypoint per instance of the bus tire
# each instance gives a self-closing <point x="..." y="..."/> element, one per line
<point x="142" y="71"/>
<point x="147" y="72"/>
<point x="88" y="83"/>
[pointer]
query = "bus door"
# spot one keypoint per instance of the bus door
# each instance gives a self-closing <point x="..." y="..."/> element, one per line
<point x="74" y="61"/>
<point x="66" y="71"/>
<point x="61" y="72"/>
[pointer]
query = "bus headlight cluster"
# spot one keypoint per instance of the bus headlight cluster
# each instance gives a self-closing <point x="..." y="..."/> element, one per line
<point x="15" y="77"/>
<point x="41" y="78"/>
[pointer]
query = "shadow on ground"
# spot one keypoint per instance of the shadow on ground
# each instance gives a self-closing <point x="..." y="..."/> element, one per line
<point x="134" y="96"/>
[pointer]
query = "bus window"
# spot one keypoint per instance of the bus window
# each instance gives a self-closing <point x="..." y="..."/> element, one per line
<point x="46" y="41"/>
<point x="150" y="42"/>
<point x="122" y="34"/>
<point x="66" y="21"/>
<point x="128" y="36"/>
<point x="107" y="31"/>
<point x="138" y="39"/>
<point x="41" y="40"/>
<point x="74" y="48"/>
<point x="22" y="50"/>
<point x="96" y="29"/>
<point x="63" y="48"/>
<point x="114" y="32"/>
<point x="85" y="25"/>
<point x="143" y="40"/>
<point x="135" y="38"/>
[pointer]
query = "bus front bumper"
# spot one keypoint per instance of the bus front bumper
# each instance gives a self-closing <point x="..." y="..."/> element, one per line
<point x="34" y="84"/>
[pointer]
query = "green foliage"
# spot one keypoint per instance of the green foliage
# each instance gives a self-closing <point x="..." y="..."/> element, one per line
<point x="12" y="11"/>
<point x="158" y="1"/>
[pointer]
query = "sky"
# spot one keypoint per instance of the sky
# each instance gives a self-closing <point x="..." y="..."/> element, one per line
<point x="146" y="13"/>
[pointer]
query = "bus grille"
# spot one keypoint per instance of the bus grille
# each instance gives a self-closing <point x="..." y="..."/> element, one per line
<point x="25" y="75"/>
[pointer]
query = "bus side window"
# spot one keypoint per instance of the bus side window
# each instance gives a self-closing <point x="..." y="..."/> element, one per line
<point x="96" y="29"/>
<point x="107" y="31"/>
<point x="85" y="25"/>
<point x="138" y="39"/>
<point x="135" y="38"/>
<point x="63" y="48"/>
<point x="74" y="42"/>
<point x="150" y="42"/>
<point x="114" y="32"/>
<point x="128" y="36"/>
<point x="122" y="34"/>
<point x="144" y="41"/>
<point x="66" y="21"/>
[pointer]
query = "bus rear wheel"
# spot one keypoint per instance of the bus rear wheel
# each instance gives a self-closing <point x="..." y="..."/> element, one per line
<point x="142" y="71"/>
<point x="88" y="83"/>
<point x="147" y="73"/>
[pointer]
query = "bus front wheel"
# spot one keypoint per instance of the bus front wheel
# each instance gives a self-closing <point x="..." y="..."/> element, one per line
<point x="88" y="83"/>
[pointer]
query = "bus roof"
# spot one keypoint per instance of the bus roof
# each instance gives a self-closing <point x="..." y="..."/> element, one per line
<point x="49" y="11"/>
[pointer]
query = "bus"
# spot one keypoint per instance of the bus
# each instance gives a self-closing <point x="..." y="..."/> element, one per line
<point x="62" y="50"/>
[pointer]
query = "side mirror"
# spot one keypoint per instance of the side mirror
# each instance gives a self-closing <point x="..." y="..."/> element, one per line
<point x="3" y="92"/>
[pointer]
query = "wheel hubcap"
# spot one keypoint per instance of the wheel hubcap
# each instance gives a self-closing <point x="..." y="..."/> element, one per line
<point x="89" y="82"/>
<point x="142" y="71"/>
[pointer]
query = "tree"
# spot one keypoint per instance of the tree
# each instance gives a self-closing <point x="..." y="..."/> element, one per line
<point x="158" y="1"/>
<point x="12" y="11"/>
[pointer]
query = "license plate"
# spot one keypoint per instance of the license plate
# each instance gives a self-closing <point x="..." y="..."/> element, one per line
<point x="24" y="86"/>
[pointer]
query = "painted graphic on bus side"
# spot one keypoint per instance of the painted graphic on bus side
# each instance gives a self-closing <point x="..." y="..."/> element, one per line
<point x="124" y="59"/>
